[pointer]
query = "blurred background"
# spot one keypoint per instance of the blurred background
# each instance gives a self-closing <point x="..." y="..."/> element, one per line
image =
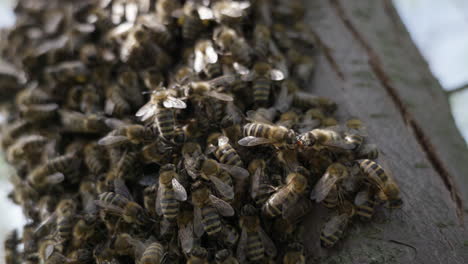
<point x="439" y="29"/>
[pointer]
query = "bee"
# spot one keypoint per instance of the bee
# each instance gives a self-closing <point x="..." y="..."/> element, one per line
<point x="170" y="193"/>
<point x="254" y="243"/>
<point x="285" y="198"/>
<point x="90" y="101"/>
<point x="160" y="109"/>
<point x="165" y="10"/>
<point x="224" y="256"/>
<point x="198" y="91"/>
<point x="193" y="19"/>
<point x="76" y="122"/>
<point x="261" y="76"/>
<point x="66" y="72"/>
<point x="11" y="248"/>
<point x="130" y="88"/>
<point x="32" y="96"/>
<point x="365" y="203"/>
<point x="304" y="100"/>
<point x="222" y="181"/>
<point x="333" y="230"/>
<point x="120" y="203"/>
<point x="229" y="236"/>
<point x="192" y="158"/>
<point x="376" y="176"/>
<point x="206" y="59"/>
<point x="153" y="253"/>
<point x="50" y="251"/>
<point x="261" y="133"/>
<point x="262" y="39"/>
<point x="185" y="229"/>
<point x="325" y="138"/>
<point x="95" y="158"/>
<point x="116" y="104"/>
<point x="198" y="255"/>
<point x="152" y="77"/>
<point x="157" y="152"/>
<point x="26" y="148"/>
<point x="227" y="12"/>
<point x="83" y="230"/>
<point x="327" y="187"/>
<point x="10" y="132"/>
<point x="124" y="244"/>
<point x="126" y="133"/>
<point x="160" y="32"/>
<point x="231" y="42"/>
<point x="288" y="119"/>
<point x="149" y="199"/>
<point x="294" y="254"/>
<point x="261" y="189"/>
<point x="226" y="154"/>
<point x="207" y="210"/>
<point x="53" y="171"/>
<point x="63" y="217"/>
<point x="38" y="112"/>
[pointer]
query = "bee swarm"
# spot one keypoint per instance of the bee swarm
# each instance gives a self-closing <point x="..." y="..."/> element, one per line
<point x="175" y="132"/>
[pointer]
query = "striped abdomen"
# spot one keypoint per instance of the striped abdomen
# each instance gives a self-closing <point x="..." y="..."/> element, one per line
<point x="211" y="220"/>
<point x="254" y="248"/>
<point x="355" y="139"/>
<point x="366" y="209"/>
<point x="333" y="230"/>
<point x="330" y="240"/>
<point x="257" y="130"/>
<point x="274" y="206"/>
<point x="331" y="201"/>
<point x="165" y="122"/>
<point x="153" y="254"/>
<point x="65" y="227"/>
<point x="169" y="204"/>
<point x="60" y="164"/>
<point x="191" y="27"/>
<point x="114" y="199"/>
<point x="374" y="171"/>
<point x="261" y="90"/>
<point x="228" y="155"/>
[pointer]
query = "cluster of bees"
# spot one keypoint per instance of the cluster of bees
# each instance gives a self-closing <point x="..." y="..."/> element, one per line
<point x="175" y="132"/>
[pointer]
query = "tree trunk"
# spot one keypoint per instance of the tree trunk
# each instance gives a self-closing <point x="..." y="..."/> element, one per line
<point x="372" y="69"/>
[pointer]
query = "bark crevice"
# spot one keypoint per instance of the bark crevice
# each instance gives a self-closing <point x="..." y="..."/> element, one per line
<point x="421" y="137"/>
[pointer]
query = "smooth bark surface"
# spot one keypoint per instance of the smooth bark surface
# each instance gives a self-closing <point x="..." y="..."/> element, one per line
<point x="371" y="68"/>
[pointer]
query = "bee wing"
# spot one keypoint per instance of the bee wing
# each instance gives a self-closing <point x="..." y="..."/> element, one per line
<point x="240" y="69"/>
<point x="121" y="188"/>
<point x="179" y="190"/>
<point x="289" y="206"/>
<point x="323" y="187"/>
<point x="205" y="13"/>
<point x="223" y="80"/>
<point x="113" y="141"/>
<point x="302" y="208"/>
<point x="49" y="250"/>
<point x="222" y="140"/>
<point x="186" y="237"/>
<point x="276" y="75"/>
<point x="109" y="208"/>
<point x="224" y="208"/>
<point x="197" y="222"/>
<point x="236" y="171"/>
<point x="190" y="165"/>
<point x="334" y="223"/>
<point x="114" y="123"/>
<point x="148" y="180"/>
<point x="270" y="248"/>
<point x="224" y="189"/>
<point x="172" y="102"/>
<point x="109" y="107"/>
<point x="165" y="226"/>
<point x="49" y="220"/>
<point x="199" y="61"/>
<point x="256" y="182"/>
<point x="146" y="111"/>
<point x="158" y="201"/>
<point x="55" y="178"/>
<point x="240" y="252"/>
<point x="211" y="55"/>
<point x="258" y="118"/>
<point x="251" y="141"/>
<point x="220" y="96"/>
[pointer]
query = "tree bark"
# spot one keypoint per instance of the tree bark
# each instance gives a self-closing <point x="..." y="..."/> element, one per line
<point x="372" y="69"/>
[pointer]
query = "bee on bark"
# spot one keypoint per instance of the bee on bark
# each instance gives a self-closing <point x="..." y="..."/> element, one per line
<point x="254" y="244"/>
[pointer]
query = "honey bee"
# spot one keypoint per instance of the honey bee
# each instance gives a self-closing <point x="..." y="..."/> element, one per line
<point x="120" y="203"/>
<point x="222" y="181"/>
<point x="198" y="255"/>
<point x="157" y="152"/>
<point x="165" y="10"/>
<point x="206" y="59"/>
<point x="285" y="198"/>
<point x="26" y="148"/>
<point x="327" y="185"/>
<point x="90" y="101"/>
<point x="231" y="42"/>
<point x="11" y="248"/>
<point x="365" y="202"/>
<point x="227" y="12"/>
<point x="388" y="188"/>
<point x="294" y="254"/>
<point x="261" y="188"/>
<point x="160" y="32"/>
<point x="63" y="217"/>
<point x="83" y="230"/>
<point x="160" y="110"/>
<point x="192" y="158"/>
<point x="261" y="76"/>
<point x="224" y="256"/>
<point x="262" y="39"/>
<point x="152" y="253"/>
<point x="76" y="122"/>
<point x="152" y="77"/>
<point x="116" y="104"/>
<point x="288" y="119"/>
<point x="325" y="138"/>
<point x="198" y="91"/>
<point x="260" y="133"/>
<point x="95" y="158"/>
<point x="226" y="154"/>
<point x="70" y="71"/>
<point x="53" y="171"/>
<point x="170" y="193"/>
<point x="50" y="251"/>
<point x="126" y="133"/>
<point x="38" y="112"/>
<point x="10" y="132"/>
<point x="254" y="243"/>
<point x="130" y="88"/>
<point x="193" y="19"/>
<point x="207" y="210"/>
<point x="185" y="229"/>
<point x="333" y="230"/>
<point x="32" y="96"/>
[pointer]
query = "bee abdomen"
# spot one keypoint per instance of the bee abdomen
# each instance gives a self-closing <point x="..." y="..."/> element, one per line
<point x="228" y="155"/>
<point x="255" y="249"/>
<point x="191" y="27"/>
<point x="169" y="204"/>
<point x="331" y="240"/>
<point x="166" y="123"/>
<point x="261" y="90"/>
<point x="211" y="220"/>
<point x="373" y="169"/>
<point x="152" y="254"/>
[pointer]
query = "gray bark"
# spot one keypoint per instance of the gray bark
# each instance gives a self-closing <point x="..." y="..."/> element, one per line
<point x="370" y="66"/>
